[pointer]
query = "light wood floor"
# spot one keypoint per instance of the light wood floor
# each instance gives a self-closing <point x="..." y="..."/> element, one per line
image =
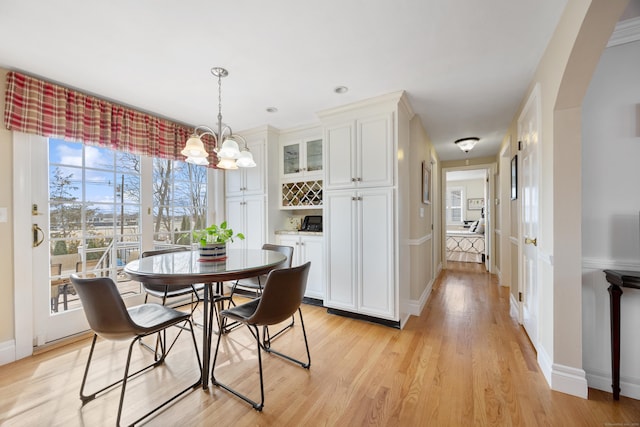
<point x="463" y="362"/>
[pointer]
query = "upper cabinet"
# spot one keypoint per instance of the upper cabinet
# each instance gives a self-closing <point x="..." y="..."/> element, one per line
<point x="249" y="181"/>
<point x="360" y="152"/>
<point x="301" y="154"/>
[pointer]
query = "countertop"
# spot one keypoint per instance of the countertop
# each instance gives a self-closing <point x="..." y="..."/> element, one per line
<point x="299" y="232"/>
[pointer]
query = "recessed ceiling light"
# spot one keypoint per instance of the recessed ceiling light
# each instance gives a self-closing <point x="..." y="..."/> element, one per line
<point x="272" y="110"/>
<point x="341" y="89"/>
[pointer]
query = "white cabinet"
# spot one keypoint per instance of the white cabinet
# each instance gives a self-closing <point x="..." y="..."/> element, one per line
<point x="308" y="248"/>
<point x="360" y="152"/>
<point x="247" y="216"/>
<point x="301" y="159"/>
<point x="359" y="230"/>
<point x="248" y="181"/>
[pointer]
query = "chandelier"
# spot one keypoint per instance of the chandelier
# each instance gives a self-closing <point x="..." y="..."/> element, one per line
<point x="226" y="146"/>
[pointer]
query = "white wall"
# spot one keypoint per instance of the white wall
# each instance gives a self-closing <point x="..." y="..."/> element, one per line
<point x="610" y="212"/>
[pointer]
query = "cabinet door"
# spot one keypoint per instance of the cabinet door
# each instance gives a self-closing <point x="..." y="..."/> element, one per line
<point x="339" y="217"/>
<point x="376" y="249"/>
<point x="313" y="157"/>
<point x="255" y="177"/>
<point x="235" y="220"/>
<point x="375" y="151"/>
<point x="290" y="240"/>
<point x="254" y="227"/>
<point x="340" y="156"/>
<point x="233" y="182"/>
<point x="291" y="159"/>
<point x="248" y="181"/>
<point x="312" y="249"/>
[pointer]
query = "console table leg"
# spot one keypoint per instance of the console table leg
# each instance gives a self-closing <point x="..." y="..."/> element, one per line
<point x="614" y="299"/>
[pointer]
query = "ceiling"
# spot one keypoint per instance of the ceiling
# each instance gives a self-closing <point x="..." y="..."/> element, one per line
<point x="464" y="64"/>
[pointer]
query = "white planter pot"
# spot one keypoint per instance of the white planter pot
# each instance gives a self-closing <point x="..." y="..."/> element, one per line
<point x="213" y="252"/>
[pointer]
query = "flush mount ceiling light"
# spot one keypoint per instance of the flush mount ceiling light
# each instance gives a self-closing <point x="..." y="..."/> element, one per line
<point x="226" y="147"/>
<point x="341" y="89"/>
<point x="466" y="144"/>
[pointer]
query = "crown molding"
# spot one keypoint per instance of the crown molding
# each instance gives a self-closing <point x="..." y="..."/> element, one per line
<point x="626" y="31"/>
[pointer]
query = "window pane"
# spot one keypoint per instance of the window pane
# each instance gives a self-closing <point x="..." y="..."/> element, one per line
<point x="65" y="183"/>
<point x="180" y="194"/>
<point x="98" y="158"/>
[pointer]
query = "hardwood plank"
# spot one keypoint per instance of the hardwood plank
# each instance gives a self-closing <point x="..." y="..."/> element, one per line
<point x="464" y="361"/>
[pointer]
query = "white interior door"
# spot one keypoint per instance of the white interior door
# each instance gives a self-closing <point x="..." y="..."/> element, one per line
<point x="528" y="131"/>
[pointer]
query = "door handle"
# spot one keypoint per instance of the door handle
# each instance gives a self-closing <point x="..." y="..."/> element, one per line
<point x="37" y="242"/>
<point x="533" y="241"/>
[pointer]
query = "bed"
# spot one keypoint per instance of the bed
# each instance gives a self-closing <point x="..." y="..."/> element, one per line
<point x="466" y="245"/>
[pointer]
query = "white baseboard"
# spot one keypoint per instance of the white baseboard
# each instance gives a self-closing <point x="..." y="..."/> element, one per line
<point x="415" y="307"/>
<point x="7" y="352"/>
<point x="569" y="380"/>
<point x="513" y="307"/>
<point x="564" y="379"/>
<point x="629" y="387"/>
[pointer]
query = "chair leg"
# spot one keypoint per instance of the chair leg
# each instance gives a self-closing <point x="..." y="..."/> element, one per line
<point x="127" y="376"/>
<point x="267" y="337"/>
<point x="266" y="346"/>
<point x="257" y="406"/>
<point x="87" y="398"/>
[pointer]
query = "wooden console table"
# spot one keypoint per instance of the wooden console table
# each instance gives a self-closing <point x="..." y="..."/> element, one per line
<point x="618" y="279"/>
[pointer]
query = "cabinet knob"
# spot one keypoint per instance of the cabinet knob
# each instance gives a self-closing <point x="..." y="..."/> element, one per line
<point x="354" y="199"/>
<point x="353" y="179"/>
<point x="359" y="179"/>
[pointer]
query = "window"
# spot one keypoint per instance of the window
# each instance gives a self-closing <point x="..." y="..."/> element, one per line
<point x="455" y="196"/>
<point x="179" y="201"/>
<point x="95" y="211"/>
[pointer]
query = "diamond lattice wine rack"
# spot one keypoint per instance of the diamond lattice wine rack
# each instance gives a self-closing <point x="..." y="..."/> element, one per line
<point x="301" y="194"/>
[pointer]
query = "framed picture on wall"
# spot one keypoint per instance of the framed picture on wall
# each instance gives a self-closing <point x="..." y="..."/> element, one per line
<point x="514" y="177"/>
<point x="475" y="204"/>
<point x="426" y="184"/>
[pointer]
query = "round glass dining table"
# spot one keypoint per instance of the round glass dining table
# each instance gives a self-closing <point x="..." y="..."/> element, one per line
<point x="185" y="268"/>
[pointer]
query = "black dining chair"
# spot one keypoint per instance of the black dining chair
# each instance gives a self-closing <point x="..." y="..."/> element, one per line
<point x="166" y="292"/>
<point x="110" y="319"/>
<point x="280" y="299"/>
<point x="255" y="284"/>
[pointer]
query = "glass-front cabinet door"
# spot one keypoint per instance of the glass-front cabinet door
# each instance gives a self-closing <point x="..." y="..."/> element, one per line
<point x="291" y="159"/>
<point x="313" y="155"/>
<point x="301" y="158"/>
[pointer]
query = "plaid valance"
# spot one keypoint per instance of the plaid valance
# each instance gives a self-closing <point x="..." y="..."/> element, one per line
<point x="43" y="108"/>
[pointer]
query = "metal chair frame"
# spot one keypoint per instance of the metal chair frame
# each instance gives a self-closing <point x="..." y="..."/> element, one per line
<point x="160" y="330"/>
<point x="264" y="343"/>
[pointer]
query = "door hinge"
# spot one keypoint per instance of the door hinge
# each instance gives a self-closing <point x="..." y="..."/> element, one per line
<point x="519" y="296"/>
<point x="519" y="145"/>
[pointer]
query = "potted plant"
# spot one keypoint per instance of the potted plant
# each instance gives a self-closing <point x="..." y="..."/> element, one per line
<point x="213" y="241"/>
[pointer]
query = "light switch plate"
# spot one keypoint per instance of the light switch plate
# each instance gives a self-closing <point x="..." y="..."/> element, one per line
<point x="3" y="214"/>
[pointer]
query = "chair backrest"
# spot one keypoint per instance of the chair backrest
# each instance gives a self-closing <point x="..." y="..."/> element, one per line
<point x="103" y="306"/>
<point x="282" y="295"/>
<point x="161" y="288"/>
<point x="285" y="250"/>
<point x="164" y="251"/>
